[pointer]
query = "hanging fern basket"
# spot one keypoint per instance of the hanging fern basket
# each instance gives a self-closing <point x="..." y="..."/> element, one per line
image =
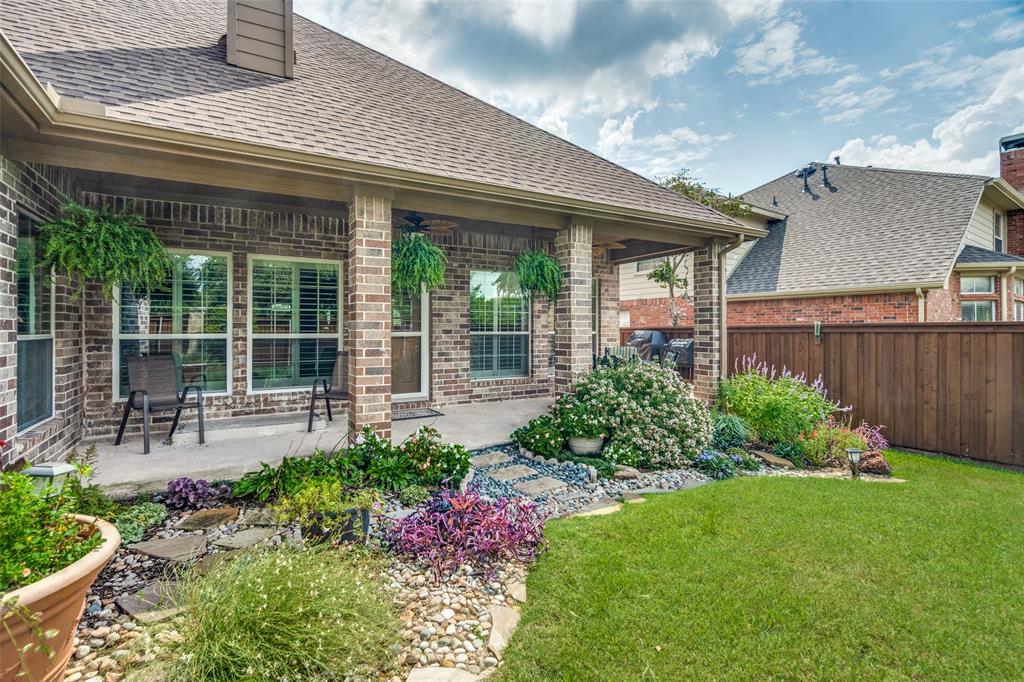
<point x="417" y="264"/>
<point x="111" y="249"/>
<point x="539" y="273"/>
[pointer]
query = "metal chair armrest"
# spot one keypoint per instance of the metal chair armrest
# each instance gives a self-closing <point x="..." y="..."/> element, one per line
<point x="192" y="387"/>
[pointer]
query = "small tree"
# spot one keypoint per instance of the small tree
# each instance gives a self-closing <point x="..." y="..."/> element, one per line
<point x="667" y="274"/>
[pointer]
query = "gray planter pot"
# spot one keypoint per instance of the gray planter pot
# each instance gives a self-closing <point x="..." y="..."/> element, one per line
<point x="583" y="447"/>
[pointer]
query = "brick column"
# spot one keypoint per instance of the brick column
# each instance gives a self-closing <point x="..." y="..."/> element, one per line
<point x="706" y="320"/>
<point x="8" y="315"/>
<point x="368" y="311"/>
<point x="574" y="251"/>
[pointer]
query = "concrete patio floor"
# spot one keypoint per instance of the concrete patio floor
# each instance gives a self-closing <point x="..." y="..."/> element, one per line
<point x="123" y="471"/>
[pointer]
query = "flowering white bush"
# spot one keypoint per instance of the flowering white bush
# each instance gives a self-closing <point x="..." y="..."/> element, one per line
<point x="650" y="414"/>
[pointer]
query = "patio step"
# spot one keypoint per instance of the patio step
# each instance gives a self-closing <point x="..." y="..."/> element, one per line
<point x="254" y="426"/>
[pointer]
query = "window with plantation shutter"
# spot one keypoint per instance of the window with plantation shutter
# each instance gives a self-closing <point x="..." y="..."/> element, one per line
<point x="189" y="317"/>
<point x="295" y="313"/>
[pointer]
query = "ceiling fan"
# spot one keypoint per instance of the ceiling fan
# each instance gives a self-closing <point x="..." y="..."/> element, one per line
<point x="414" y="222"/>
<point x="602" y="247"/>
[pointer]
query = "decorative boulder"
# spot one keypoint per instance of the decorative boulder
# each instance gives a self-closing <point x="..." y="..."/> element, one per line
<point x="874" y="462"/>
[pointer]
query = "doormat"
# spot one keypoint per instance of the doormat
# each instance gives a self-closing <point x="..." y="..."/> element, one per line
<point x="414" y="413"/>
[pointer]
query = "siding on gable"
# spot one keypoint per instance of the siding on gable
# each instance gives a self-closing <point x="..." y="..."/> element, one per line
<point x="979" y="229"/>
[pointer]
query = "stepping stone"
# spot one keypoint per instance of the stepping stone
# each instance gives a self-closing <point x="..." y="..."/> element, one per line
<point x="490" y="459"/>
<point x="262" y="516"/>
<point x="512" y="473"/>
<point x="881" y="479"/>
<point x="208" y="518"/>
<point x="180" y="548"/>
<point x="504" y="620"/>
<point x="625" y="473"/>
<point x="156" y="597"/>
<point x="401" y="513"/>
<point x="633" y="498"/>
<point x="245" y="538"/>
<point x="772" y="460"/>
<point x="518" y="591"/>
<point x="439" y="674"/>
<point x="150" y="617"/>
<point x="600" y="508"/>
<point x="539" y="486"/>
<point x="464" y="483"/>
<point x="211" y="561"/>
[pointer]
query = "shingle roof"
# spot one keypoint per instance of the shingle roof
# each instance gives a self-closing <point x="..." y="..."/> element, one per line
<point x="872" y="227"/>
<point x="975" y="254"/>
<point x="158" y="62"/>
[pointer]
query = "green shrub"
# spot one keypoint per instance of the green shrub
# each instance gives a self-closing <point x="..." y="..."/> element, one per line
<point x="285" y="614"/>
<point x="779" y="407"/>
<point x="133" y="521"/>
<point x="714" y="464"/>
<point x="391" y="471"/>
<point x="650" y="413"/>
<point x="576" y="420"/>
<point x="269" y="482"/>
<point x="729" y="431"/>
<point x="541" y="437"/>
<point x="435" y="462"/>
<point x="743" y="460"/>
<point x="413" y="495"/>
<point x="37" y="536"/>
<point x="791" y="451"/>
<point x="827" y="444"/>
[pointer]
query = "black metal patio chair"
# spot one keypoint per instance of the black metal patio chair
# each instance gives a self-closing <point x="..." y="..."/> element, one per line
<point x="335" y="390"/>
<point x="153" y="387"/>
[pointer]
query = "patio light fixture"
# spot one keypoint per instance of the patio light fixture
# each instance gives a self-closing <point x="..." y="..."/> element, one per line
<point x="853" y="454"/>
<point x="50" y="476"/>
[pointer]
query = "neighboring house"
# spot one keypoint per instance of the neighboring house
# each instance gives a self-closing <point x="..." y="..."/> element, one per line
<point x="276" y="158"/>
<point x="870" y="245"/>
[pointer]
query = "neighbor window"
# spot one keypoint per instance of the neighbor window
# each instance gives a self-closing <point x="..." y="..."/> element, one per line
<point x="1018" y="311"/>
<point x="997" y="230"/>
<point x="35" y="331"/>
<point x="499" y="326"/>
<point x="296" y="322"/>
<point x="978" y="311"/>
<point x="647" y="264"/>
<point x="188" y="317"/>
<point x="977" y="285"/>
<point x="1018" y="286"/>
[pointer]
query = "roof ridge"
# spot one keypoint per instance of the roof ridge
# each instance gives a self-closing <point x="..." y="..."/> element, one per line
<point x="509" y="114"/>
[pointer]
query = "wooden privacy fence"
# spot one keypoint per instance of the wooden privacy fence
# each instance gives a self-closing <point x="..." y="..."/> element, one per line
<point x="955" y="388"/>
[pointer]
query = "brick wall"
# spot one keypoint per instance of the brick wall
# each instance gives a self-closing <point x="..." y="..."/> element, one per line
<point x="204" y="227"/>
<point x="654" y="312"/>
<point x="607" y="276"/>
<point x="1011" y="168"/>
<point x="38" y="190"/>
<point x="1015" y="232"/>
<point x="943" y="305"/>
<point x="449" y="317"/>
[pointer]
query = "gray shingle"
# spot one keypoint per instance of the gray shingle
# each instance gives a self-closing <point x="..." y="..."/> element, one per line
<point x="158" y="61"/>
<point x="873" y="227"/>
<point x="976" y="254"/>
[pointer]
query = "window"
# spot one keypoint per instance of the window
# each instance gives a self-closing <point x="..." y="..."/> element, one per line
<point x="410" y="322"/>
<point x="295" y="322"/>
<point x="595" y="316"/>
<point x="499" y="326"/>
<point x="977" y="285"/>
<point x="997" y="230"/>
<point x="647" y="264"/>
<point x="1018" y="311"/>
<point x="189" y="318"/>
<point x="1018" y="286"/>
<point x="35" y="331"/>
<point x="978" y="311"/>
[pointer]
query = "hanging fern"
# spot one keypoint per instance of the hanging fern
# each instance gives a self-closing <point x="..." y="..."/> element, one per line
<point x="115" y="250"/>
<point x="417" y="263"/>
<point x="538" y="272"/>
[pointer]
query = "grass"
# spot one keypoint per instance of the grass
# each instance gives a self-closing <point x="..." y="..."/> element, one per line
<point x="787" y="578"/>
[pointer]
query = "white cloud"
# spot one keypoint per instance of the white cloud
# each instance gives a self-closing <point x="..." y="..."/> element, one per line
<point x="964" y="141"/>
<point x="781" y="54"/>
<point x="842" y="102"/>
<point x="1009" y="31"/>
<point x="655" y="155"/>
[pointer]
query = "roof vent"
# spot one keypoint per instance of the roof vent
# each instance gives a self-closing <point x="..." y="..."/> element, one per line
<point x="805" y="173"/>
<point x="836" y="159"/>
<point x="260" y="36"/>
<point x="824" y="177"/>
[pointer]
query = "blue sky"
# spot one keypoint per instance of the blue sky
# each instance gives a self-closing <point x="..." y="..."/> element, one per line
<point x="739" y="92"/>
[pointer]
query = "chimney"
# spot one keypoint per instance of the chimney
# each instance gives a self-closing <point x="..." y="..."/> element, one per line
<point x="260" y="36"/>
<point x="1011" y="168"/>
<point x="1011" y="160"/>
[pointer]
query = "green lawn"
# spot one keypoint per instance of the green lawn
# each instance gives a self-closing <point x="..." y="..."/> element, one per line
<point x="785" y="578"/>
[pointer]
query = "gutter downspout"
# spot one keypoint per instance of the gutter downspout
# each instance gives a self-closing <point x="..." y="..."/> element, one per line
<point x="723" y="332"/>
<point x="920" y="304"/>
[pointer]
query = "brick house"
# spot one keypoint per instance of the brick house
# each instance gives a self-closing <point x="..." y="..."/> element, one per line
<point x="276" y="160"/>
<point x="862" y="244"/>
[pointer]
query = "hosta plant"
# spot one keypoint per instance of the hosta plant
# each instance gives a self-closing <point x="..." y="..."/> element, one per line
<point x="454" y="529"/>
<point x="729" y="431"/>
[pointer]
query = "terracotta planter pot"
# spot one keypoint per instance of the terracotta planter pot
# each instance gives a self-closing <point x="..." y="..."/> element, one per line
<point x="60" y="599"/>
<point x="582" y="447"/>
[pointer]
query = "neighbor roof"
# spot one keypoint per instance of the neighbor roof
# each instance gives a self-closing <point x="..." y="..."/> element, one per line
<point x="975" y="255"/>
<point x="158" y="62"/>
<point x="870" y="228"/>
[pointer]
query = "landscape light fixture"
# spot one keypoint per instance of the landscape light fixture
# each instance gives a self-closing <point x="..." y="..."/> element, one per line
<point x="49" y="477"/>
<point x="853" y="454"/>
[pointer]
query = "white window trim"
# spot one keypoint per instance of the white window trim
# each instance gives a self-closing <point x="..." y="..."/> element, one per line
<point x="118" y="336"/>
<point x="249" y="390"/>
<point x="1018" y="282"/>
<point x="990" y="303"/>
<point x="35" y="337"/>
<point x="529" y="340"/>
<point x="424" y="334"/>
